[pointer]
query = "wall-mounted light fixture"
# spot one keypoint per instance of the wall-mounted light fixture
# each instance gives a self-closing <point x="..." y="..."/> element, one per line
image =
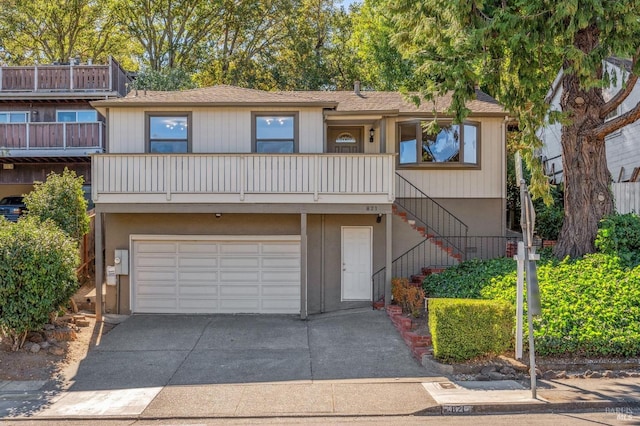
<point x="218" y="215"/>
<point x="371" y="134"/>
<point x="379" y="218"/>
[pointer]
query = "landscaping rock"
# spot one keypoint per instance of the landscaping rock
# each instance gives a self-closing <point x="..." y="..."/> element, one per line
<point x="35" y="348"/>
<point x="488" y="369"/>
<point x="594" y="375"/>
<point x="49" y="327"/>
<point x="44" y="345"/>
<point x="549" y="374"/>
<point x="494" y="375"/>
<point x="609" y="374"/>
<point x="35" y="337"/>
<point x="56" y="350"/>
<point x="508" y="370"/>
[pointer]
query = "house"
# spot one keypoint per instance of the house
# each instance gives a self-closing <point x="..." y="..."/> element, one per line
<point x="623" y="156"/>
<point x="233" y="200"/>
<point x="47" y="123"/>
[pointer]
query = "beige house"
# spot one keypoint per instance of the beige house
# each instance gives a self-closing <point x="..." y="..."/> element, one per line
<point x="231" y="200"/>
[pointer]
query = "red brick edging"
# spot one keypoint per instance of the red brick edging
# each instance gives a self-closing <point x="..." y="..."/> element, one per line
<point x="419" y="345"/>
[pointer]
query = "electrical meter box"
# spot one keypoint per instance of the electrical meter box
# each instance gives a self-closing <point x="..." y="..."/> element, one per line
<point x="121" y="261"/>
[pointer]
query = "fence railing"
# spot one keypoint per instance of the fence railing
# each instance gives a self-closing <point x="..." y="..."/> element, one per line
<point x="29" y="136"/>
<point x="627" y="197"/>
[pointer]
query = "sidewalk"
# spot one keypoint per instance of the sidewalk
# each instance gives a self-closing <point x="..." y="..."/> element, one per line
<point x="363" y="397"/>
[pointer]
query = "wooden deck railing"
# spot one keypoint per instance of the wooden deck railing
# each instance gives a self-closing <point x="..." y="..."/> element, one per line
<point x="271" y="178"/>
<point x="65" y="78"/>
<point x="61" y="136"/>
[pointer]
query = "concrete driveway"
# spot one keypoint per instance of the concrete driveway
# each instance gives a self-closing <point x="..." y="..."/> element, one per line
<point x="173" y="350"/>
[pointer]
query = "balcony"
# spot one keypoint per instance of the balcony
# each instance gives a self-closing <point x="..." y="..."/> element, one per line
<point x="50" y="139"/>
<point x="108" y="79"/>
<point x="243" y="178"/>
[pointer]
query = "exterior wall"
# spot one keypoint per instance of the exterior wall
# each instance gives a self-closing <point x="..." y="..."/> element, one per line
<point x="324" y="245"/>
<point x="30" y="173"/>
<point x="484" y="217"/>
<point x="8" y="190"/>
<point x="214" y="130"/>
<point x="45" y="112"/>
<point x="489" y="181"/>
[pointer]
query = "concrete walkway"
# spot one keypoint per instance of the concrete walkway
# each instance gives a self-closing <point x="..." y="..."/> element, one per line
<point x="347" y="364"/>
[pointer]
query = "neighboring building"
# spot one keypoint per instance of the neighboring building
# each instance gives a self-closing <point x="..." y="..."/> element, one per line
<point x="47" y="123"/>
<point x="231" y="200"/>
<point x="623" y="155"/>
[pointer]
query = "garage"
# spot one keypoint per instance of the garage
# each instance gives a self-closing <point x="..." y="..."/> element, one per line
<point x="215" y="274"/>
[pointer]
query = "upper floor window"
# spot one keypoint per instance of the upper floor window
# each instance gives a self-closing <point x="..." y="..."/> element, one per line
<point x="275" y="133"/>
<point x="14" y="117"/>
<point x="77" y="116"/>
<point x="452" y="144"/>
<point x="168" y="133"/>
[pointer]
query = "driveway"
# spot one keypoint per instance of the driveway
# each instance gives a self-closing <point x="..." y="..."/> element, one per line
<point x="172" y="350"/>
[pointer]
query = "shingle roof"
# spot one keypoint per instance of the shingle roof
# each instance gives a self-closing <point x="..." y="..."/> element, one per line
<point x="341" y="101"/>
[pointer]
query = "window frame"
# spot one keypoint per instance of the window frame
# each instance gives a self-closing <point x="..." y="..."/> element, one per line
<point x="26" y="113"/>
<point x="76" y="111"/>
<point x="460" y="165"/>
<point x="147" y="128"/>
<point x="254" y="135"/>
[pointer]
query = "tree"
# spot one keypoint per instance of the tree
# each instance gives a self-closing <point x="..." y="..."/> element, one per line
<point x="37" y="275"/>
<point x="49" y="31"/>
<point x="168" y="79"/>
<point x="61" y="200"/>
<point x="514" y="50"/>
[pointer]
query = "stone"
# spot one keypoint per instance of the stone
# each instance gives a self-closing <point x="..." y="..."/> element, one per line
<point x="609" y="374"/>
<point x="549" y="374"/>
<point x="49" y="326"/>
<point x="488" y="369"/>
<point x="561" y="375"/>
<point x="63" y="334"/>
<point x="44" y="345"/>
<point x="35" y="337"/>
<point x="483" y="378"/>
<point x="588" y="373"/>
<point x="83" y="323"/>
<point x="595" y="375"/>
<point x="56" y="350"/>
<point x="494" y="375"/>
<point x="35" y="348"/>
<point x="508" y="370"/>
<point x="623" y="374"/>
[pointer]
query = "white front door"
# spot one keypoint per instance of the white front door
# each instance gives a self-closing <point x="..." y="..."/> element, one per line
<point x="357" y="244"/>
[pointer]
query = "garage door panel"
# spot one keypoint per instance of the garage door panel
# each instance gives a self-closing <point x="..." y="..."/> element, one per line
<point x="155" y="247"/>
<point x="239" y="290"/>
<point x="217" y="276"/>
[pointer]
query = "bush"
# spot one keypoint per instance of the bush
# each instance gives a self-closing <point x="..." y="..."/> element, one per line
<point x="467" y="279"/>
<point x="549" y="218"/>
<point x="410" y="297"/>
<point x="463" y="329"/>
<point x="590" y="306"/>
<point x="620" y="235"/>
<point x="61" y="199"/>
<point x="37" y="275"/>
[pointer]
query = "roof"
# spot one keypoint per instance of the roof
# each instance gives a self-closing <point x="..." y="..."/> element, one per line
<point x="340" y="101"/>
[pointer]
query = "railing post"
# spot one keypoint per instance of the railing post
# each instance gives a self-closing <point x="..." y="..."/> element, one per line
<point x="243" y="160"/>
<point x="0" y="79"/>
<point x="27" y="136"/>
<point x="110" y="73"/>
<point x="64" y="136"/>
<point x="100" y="136"/>
<point x="167" y="176"/>
<point x="316" y="176"/>
<point x="35" y="77"/>
<point x="71" y="74"/>
<point x="392" y="178"/>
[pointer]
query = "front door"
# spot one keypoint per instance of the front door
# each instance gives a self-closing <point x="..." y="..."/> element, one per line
<point x="344" y="140"/>
<point x="356" y="262"/>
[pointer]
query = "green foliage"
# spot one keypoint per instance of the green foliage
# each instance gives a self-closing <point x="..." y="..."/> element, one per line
<point x="590" y="306"/>
<point x="549" y="217"/>
<point x="165" y="80"/>
<point x="620" y="234"/>
<point x="467" y="279"/>
<point x="37" y="275"/>
<point x="61" y="200"/>
<point x="463" y="329"/>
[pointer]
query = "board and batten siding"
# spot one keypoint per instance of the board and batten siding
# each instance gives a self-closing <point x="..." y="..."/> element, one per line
<point x="486" y="182"/>
<point x="214" y="130"/>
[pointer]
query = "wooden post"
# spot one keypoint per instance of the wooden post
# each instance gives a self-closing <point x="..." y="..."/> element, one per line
<point x="303" y="266"/>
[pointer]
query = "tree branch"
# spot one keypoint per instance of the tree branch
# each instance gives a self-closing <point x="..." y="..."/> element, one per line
<point x="622" y="94"/>
<point x="617" y="123"/>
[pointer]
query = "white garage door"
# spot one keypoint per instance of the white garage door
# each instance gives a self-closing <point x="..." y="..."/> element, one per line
<point x="216" y="274"/>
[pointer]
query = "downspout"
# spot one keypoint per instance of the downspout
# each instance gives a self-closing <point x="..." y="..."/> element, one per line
<point x="322" y="275"/>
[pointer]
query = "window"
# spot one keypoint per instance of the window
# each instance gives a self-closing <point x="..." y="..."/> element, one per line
<point x="79" y="116"/>
<point x="276" y="133"/>
<point x="14" y="117"/>
<point x="168" y="133"/>
<point x="452" y="144"/>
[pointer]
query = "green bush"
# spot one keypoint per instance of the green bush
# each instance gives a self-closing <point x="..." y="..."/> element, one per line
<point x="467" y="279"/>
<point x="61" y="199"/>
<point x="37" y="275"/>
<point x="620" y="234"/>
<point x="549" y="218"/>
<point x="590" y="306"/>
<point x="463" y="329"/>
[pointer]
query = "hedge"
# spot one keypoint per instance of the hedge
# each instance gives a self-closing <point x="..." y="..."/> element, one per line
<point x="463" y="329"/>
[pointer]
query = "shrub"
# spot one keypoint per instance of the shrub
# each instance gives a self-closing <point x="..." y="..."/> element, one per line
<point x="61" y="199"/>
<point x="620" y="234"/>
<point x="467" y="279"/>
<point x="590" y="306"/>
<point x="409" y="297"/>
<point x="37" y="275"/>
<point x="462" y="329"/>
<point x="549" y="218"/>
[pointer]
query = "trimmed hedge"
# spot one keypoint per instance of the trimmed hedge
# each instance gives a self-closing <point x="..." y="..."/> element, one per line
<point x="463" y="329"/>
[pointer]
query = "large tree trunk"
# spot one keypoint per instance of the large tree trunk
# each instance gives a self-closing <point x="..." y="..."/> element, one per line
<point x="587" y="195"/>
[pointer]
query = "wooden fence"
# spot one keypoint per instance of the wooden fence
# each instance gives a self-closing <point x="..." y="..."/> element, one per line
<point x="627" y="197"/>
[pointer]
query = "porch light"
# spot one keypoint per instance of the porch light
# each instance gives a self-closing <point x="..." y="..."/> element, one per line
<point x="371" y="134"/>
